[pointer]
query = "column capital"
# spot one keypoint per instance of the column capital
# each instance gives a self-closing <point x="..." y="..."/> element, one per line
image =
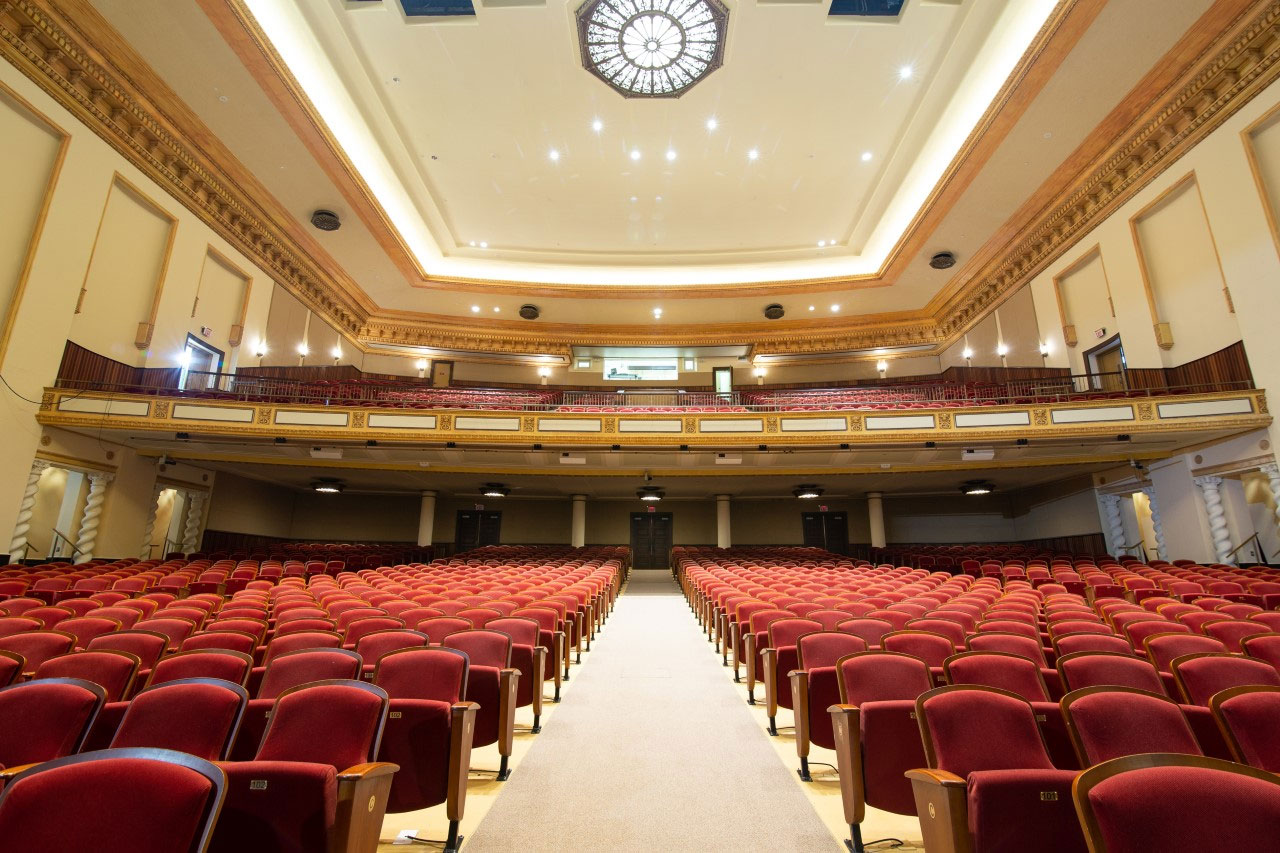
<point x="39" y="464"/>
<point x="101" y="476"/>
<point x="724" y="497"/>
<point x="578" y="497"/>
<point x="1209" y="481"/>
<point x="428" y="493"/>
<point x="1271" y="469"/>
<point x="875" y="494"/>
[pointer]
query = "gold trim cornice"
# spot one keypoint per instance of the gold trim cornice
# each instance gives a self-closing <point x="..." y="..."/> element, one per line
<point x="68" y="51"/>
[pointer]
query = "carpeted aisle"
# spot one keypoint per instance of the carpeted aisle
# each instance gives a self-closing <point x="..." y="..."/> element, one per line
<point x="653" y="749"/>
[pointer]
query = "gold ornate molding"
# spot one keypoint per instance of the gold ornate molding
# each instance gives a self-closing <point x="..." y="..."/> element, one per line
<point x="67" y="50"/>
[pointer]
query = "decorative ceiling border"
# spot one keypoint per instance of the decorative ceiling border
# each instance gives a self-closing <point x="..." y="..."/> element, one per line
<point x="66" y="49"/>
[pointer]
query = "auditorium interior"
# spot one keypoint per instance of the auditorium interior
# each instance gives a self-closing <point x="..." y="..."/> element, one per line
<point x="625" y="425"/>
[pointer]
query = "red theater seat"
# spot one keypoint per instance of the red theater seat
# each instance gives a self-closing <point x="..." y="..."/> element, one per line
<point x="1112" y="722"/>
<point x="198" y="716"/>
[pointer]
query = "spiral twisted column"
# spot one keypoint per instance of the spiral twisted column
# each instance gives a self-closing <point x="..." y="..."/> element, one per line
<point x="1157" y="528"/>
<point x="18" y="544"/>
<point x="1211" y="491"/>
<point x="150" y="529"/>
<point x="1272" y="470"/>
<point x="1115" y="522"/>
<point x="195" y="517"/>
<point x="88" y="535"/>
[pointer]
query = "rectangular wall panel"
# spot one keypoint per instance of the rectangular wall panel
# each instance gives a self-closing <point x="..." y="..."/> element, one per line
<point x="467" y="422"/>
<point x="736" y="425"/>
<point x="569" y="425"/>
<point x="656" y="425"/>
<point x="813" y="424"/>
<point x="1092" y="416"/>
<point x="402" y="421"/>
<point x="992" y="419"/>
<point x="901" y="422"/>
<point x="291" y="417"/>
<point x="99" y="406"/>
<point x="1205" y="408"/>
<point x="187" y="412"/>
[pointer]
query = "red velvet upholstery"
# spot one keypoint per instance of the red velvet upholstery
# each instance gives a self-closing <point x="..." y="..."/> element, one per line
<point x="175" y="629"/>
<point x="1202" y="675"/>
<point x="871" y="630"/>
<point x="113" y="671"/>
<point x="148" y="646"/>
<point x="997" y="669"/>
<point x="85" y="628"/>
<point x="209" y="663"/>
<point x="890" y="747"/>
<point x="126" y="616"/>
<point x="1231" y="633"/>
<point x="284" y="643"/>
<point x="1013" y="644"/>
<point x="38" y="646"/>
<point x="256" y="628"/>
<point x="298" y="625"/>
<point x="1251" y="718"/>
<point x="439" y="627"/>
<point x="881" y="676"/>
<point x="828" y="617"/>
<point x="140" y="801"/>
<point x="1177" y="809"/>
<point x="1066" y="644"/>
<point x="198" y="716"/>
<point x="372" y="624"/>
<point x="479" y="616"/>
<point x="1264" y="647"/>
<point x="47" y="616"/>
<point x="371" y="647"/>
<point x="953" y="631"/>
<point x="235" y="641"/>
<point x="483" y="648"/>
<point x="287" y="671"/>
<point x="824" y="649"/>
<point x="1111" y="722"/>
<point x="1098" y="669"/>
<point x="46" y="719"/>
<point x="437" y="674"/>
<point x="10" y="625"/>
<point x="297" y="806"/>
<point x="523" y="643"/>
<point x="11" y="665"/>
<point x="931" y="648"/>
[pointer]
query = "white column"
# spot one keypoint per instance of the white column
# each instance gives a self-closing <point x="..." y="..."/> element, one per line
<point x="92" y="511"/>
<point x="1211" y="491"/>
<point x="578" y="521"/>
<point x="1157" y="528"/>
<point x="724" y="539"/>
<point x="193" y="521"/>
<point x="150" y="529"/>
<point x="1113" y="522"/>
<point x="426" y="519"/>
<point x="875" y="515"/>
<point x="1272" y="470"/>
<point x="18" y="544"/>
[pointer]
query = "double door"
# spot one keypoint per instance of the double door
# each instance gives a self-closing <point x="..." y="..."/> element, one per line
<point x="651" y="540"/>
<point x="828" y="530"/>
<point x="477" y="527"/>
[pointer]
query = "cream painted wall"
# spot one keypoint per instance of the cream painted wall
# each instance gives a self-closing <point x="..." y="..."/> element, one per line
<point x="126" y="249"/>
<point x="1014" y="324"/>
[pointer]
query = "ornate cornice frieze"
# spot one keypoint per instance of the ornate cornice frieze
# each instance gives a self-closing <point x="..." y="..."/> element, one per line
<point x="52" y="48"/>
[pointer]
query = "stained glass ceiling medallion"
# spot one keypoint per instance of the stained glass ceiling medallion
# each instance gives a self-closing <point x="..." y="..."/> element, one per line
<point x="652" y="48"/>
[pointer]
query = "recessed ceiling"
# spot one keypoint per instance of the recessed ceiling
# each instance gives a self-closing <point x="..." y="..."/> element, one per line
<point x="495" y="155"/>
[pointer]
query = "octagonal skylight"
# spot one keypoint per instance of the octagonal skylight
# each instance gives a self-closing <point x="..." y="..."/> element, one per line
<point x="652" y="48"/>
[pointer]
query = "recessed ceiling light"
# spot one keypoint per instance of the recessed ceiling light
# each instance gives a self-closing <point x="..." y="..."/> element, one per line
<point x="634" y="199"/>
<point x="657" y="312"/>
<point x="554" y="155"/>
<point x="835" y="307"/>
<point x="597" y="125"/>
<point x="496" y="309"/>
<point x="712" y="124"/>
<point x="484" y="245"/>
<point x="671" y="155"/>
<point x="812" y="307"/>
<point x="657" y="198"/>
<point x="475" y="309"/>
<point x="866" y="156"/>
<point x="635" y="153"/>
<point x="473" y="243"/>
<point x="906" y="72"/>
<point x="753" y="154"/>
<point x="821" y="243"/>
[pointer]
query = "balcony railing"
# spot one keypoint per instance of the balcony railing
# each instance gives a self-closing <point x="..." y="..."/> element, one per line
<point x="393" y="394"/>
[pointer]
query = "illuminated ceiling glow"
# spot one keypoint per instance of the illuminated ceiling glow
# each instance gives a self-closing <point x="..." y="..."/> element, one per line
<point x="652" y="48"/>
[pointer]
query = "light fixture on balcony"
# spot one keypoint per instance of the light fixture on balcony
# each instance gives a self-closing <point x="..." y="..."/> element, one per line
<point x="807" y="492"/>
<point x="327" y="485"/>
<point x="977" y="487"/>
<point x="543" y="373"/>
<point x="759" y="372"/>
<point x="882" y="367"/>
<point x="650" y="494"/>
<point x="495" y="490"/>
<point x="421" y="364"/>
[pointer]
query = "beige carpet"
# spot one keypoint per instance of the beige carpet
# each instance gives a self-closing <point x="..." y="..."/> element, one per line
<point x="653" y="750"/>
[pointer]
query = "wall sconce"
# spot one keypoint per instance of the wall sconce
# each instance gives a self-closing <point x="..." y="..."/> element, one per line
<point x="544" y="372"/>
<point x="303" y="352"/>
<point x="421" y="364"/>
<point x="260" y="350"/>
<point x="760" y="372"/>
<point x="882" y="366"/>
<point x="1044" y="350"/>
<point x="967" y="354"/>
<point x="1002" y="350"/>
<point x="336" y="352"/>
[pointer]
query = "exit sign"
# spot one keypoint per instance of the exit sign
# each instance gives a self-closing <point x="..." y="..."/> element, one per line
<point x="651" y="509"/>
<point x="822" y="508"/>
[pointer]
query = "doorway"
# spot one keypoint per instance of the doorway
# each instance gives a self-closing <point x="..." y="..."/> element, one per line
<point x="1106" y="365"/>
<point x="476" y="528"/>
<point x="827" y="530"/>
<point x="201" y="364"/>
<point x="441" y="374"/>
<point x="722" y="377"/>
<point x="651" y="540"/>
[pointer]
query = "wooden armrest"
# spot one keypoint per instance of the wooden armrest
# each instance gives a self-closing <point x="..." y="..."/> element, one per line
<point x="936" y="777"/>
<point x="847" y="728"/>
<point x="9" y="772"/>
<point x="769" y="658"/>
<point x="370" y="770"/>
<point x="462" y="732"/>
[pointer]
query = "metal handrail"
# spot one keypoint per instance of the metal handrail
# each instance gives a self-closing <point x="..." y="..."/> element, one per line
<point x="1262" y="555"/>
<point x="392" y="394"/>
<point x="59" y="536"/>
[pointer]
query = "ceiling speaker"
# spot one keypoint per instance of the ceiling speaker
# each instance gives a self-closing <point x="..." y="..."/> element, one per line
<point x="943" y="261"/>
<point x="530" y="312"/>
<point x="326" y="220"/>
<point x="774" y="311"/>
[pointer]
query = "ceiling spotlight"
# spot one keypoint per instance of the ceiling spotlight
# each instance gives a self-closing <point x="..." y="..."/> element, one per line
<point x="712" y="124"/>
<point x="866" y="156"/>
<point x="327" y="485"/>
<point x="475" y="309"/>
<point x="812" y="307"/>
<point x="650" y="494"/>
<point x="635" y="153"/>
<point x="494" y="490"/>
<point x="835" y="307"/>
<point x="753" y="154"/>
<point x="671" y="155"/>
<point x="1044" y="348"/>
<point x="943" y="261"/>
<point x="807" y="492"/>
<point x="496" y="309"/>
<point x="484" y="245"/>
<point x="303" y="349"/>
<point x="657" y="313"/>
<point x="906" y="72"/>
<point x="554" y="155"/>
<point x="977" y="487"/>
<point x="472" y="244"/>
<point x="822" y="243"/>
<point x="597" y="125"/>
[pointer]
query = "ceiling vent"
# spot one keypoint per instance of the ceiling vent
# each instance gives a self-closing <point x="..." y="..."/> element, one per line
<point x="978" y="454"/>
<point x="529" y="312"/>
<point x="774" y="311"/>
<point x="326" y="453"/>
<point x="573" y="459"/>
<point x="728" y="458"/>
<point x="943" y="261"/>
<point x="326" y="220"/>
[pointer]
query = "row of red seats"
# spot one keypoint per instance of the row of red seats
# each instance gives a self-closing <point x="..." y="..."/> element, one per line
<point x="870" y="643"/>
<point x="454" y="650"/>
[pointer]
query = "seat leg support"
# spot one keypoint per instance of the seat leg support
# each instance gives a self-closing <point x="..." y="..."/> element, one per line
<point x="454" y="839"/>
<point x="854" y="842"/>
<point x="804" y="770"/>
<point x="504" y="772"/>
<point x="773" y="726"/>
<point x="537" y="724"/>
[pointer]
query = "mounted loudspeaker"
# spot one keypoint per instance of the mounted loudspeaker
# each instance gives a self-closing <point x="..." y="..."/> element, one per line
<point x="530" y="312"/>
<point x="774" y="311"/>
<point x="943" y="261"/>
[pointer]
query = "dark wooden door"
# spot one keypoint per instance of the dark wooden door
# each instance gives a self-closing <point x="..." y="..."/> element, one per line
<point x="651" y="540"/>
<point x="476" y="527"/>
<point x="829" y="530"/>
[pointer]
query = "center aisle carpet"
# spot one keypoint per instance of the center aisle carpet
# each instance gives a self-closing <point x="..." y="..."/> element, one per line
<point x="652" y="750"/>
